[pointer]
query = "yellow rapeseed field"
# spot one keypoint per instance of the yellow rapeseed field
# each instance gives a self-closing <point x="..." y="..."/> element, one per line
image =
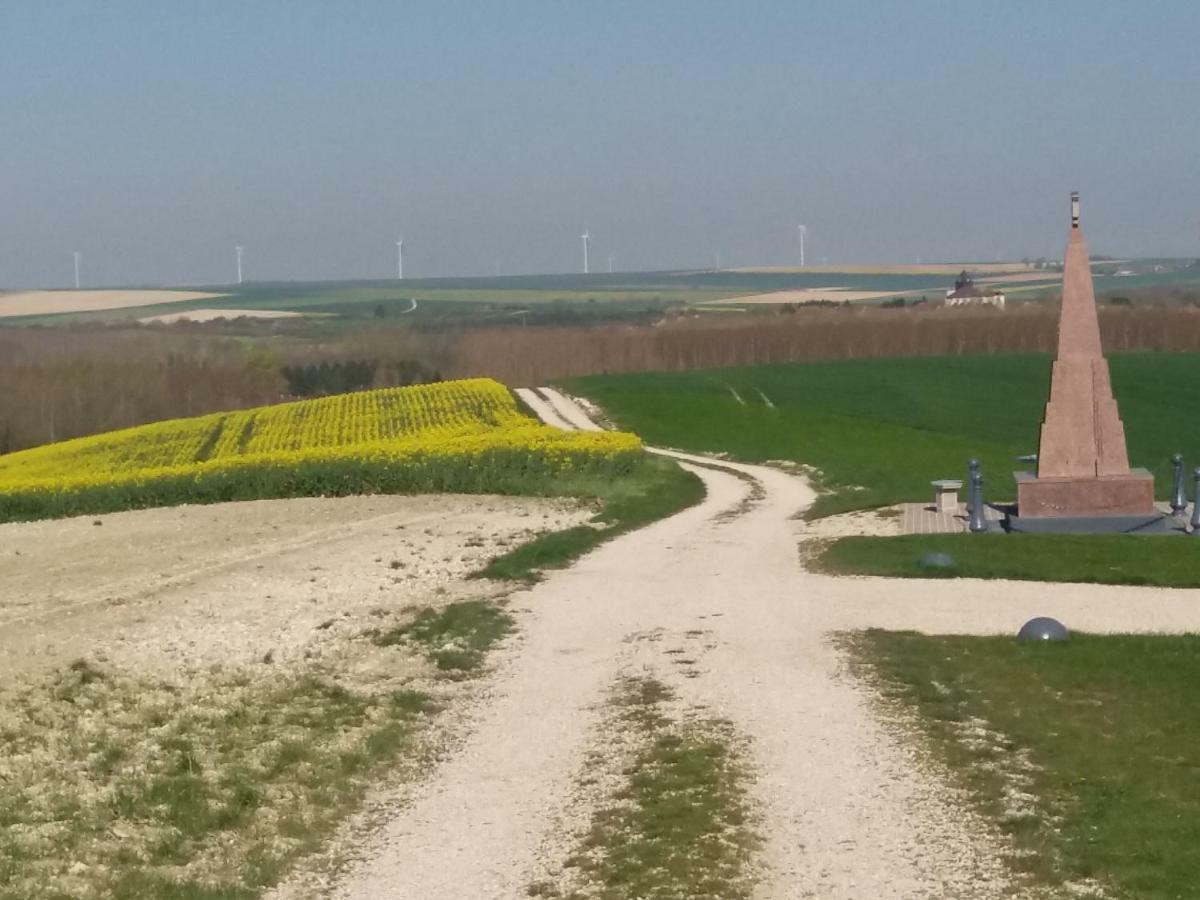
<point x="461" y="435"/>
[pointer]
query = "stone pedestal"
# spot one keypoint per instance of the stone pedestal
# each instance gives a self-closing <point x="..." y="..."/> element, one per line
<point x="945" y="496"/>
<point x="1129" y="494"/>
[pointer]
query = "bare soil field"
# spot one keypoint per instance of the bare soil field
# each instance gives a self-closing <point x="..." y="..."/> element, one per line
<point x="898" y="269"/>
<point x="39" y="303"/>
<point x="166" y="590"/>
<point x="197" y="696"/>
<point x="807" y="295"/>
<point x="211" y="315"/>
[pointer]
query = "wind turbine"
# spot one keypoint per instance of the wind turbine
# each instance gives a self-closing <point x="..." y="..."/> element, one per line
<point x="803" y="232"/>
<point x="77" y="256"/>
<point x="238" y="250"/>
<point x="585" y="252"/>
<point x="400" y="258"/>
<point x="610" y="264"/>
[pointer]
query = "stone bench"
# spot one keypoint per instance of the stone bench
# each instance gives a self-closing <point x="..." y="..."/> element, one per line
<point x="945" y="495"/>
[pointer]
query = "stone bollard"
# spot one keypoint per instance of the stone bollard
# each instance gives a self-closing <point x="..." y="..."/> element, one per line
<point x="1178" y="498"/>
<point x="977" y="522"/>
<point x="1196" y="504"/>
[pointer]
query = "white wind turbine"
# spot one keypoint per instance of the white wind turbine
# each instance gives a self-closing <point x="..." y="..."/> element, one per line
<point x="400" y="258"/>
<point x="77" y="256"/>
<point x="586" y="238"/>
<point x="802" y="230"/>
<point x="238" y="250"/>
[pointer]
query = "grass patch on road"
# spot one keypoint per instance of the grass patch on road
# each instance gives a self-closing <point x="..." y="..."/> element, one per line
<point x="125" y="787"/>
<point x="879" y="430"/>
<point x="1161" y="560"/>
<point x="1085" y="753"/>
<point x="455" y="638"/>
<point x="655" y="489"/>
<point x="679" y="824"/>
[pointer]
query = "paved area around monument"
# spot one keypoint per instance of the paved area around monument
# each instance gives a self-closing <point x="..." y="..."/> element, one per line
<point x="923" y="518"/>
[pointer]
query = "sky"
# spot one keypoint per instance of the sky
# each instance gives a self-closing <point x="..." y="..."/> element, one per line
<point x="153" y="137"/>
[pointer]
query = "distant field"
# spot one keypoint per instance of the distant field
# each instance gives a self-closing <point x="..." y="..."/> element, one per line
<point x="948" y="269"/>
<point x="568" y="298"/>
<point x="880" y="430"/>
<point x="209" y="315"/>
<point x="806" y="295"/>
<point x="44" y="303"/>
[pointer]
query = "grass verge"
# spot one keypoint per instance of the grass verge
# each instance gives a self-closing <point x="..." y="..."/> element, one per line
<point x="655" y="489"/>
<point x="879" y="430"/>
<point x="1084" y="753"/>
<point x="679" y="824"/>
<point x="1097" y="558"/>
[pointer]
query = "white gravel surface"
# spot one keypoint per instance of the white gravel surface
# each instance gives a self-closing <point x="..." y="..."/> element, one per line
<point x="850" y="808"/>
<point x="191" y="586"/>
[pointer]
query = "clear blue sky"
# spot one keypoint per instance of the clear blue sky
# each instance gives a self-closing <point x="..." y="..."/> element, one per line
<point x="153" y="136"/>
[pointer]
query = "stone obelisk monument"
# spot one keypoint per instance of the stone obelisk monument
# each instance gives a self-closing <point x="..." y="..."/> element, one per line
<point x="1083" y="466"/>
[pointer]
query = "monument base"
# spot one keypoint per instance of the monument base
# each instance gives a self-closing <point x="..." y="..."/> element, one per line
<point x="1112" y="503"/>
<point x="1159" y="523"/>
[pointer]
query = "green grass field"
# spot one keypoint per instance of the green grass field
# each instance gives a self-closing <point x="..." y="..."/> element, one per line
<point x="1085" y="753"/>
<point x="1094" y="558"/>
<point x="880" y="430"/>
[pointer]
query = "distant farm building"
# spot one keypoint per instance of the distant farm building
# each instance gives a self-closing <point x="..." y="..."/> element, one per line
<point x="967" y="293"/>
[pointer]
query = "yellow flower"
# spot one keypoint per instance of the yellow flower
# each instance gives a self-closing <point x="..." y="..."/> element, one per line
<point x="441" y="426"/>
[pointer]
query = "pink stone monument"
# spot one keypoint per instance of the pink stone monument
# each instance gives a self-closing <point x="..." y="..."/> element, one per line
<point x="1083" y="466"/>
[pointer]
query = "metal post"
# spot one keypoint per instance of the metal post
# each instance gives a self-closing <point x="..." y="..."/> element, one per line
<point x="978" y="523"/>
<point x="1196" y="504"/>
<point x="1178" y="498"/>
<point x="972" y="500"/>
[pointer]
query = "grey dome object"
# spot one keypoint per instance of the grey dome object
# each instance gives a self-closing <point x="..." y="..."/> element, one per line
<point x="937" y="561"/>
<point x="1043" y="628"/>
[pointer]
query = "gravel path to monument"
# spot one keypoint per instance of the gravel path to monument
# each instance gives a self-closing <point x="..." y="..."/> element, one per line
<point x="851" y="809"/>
